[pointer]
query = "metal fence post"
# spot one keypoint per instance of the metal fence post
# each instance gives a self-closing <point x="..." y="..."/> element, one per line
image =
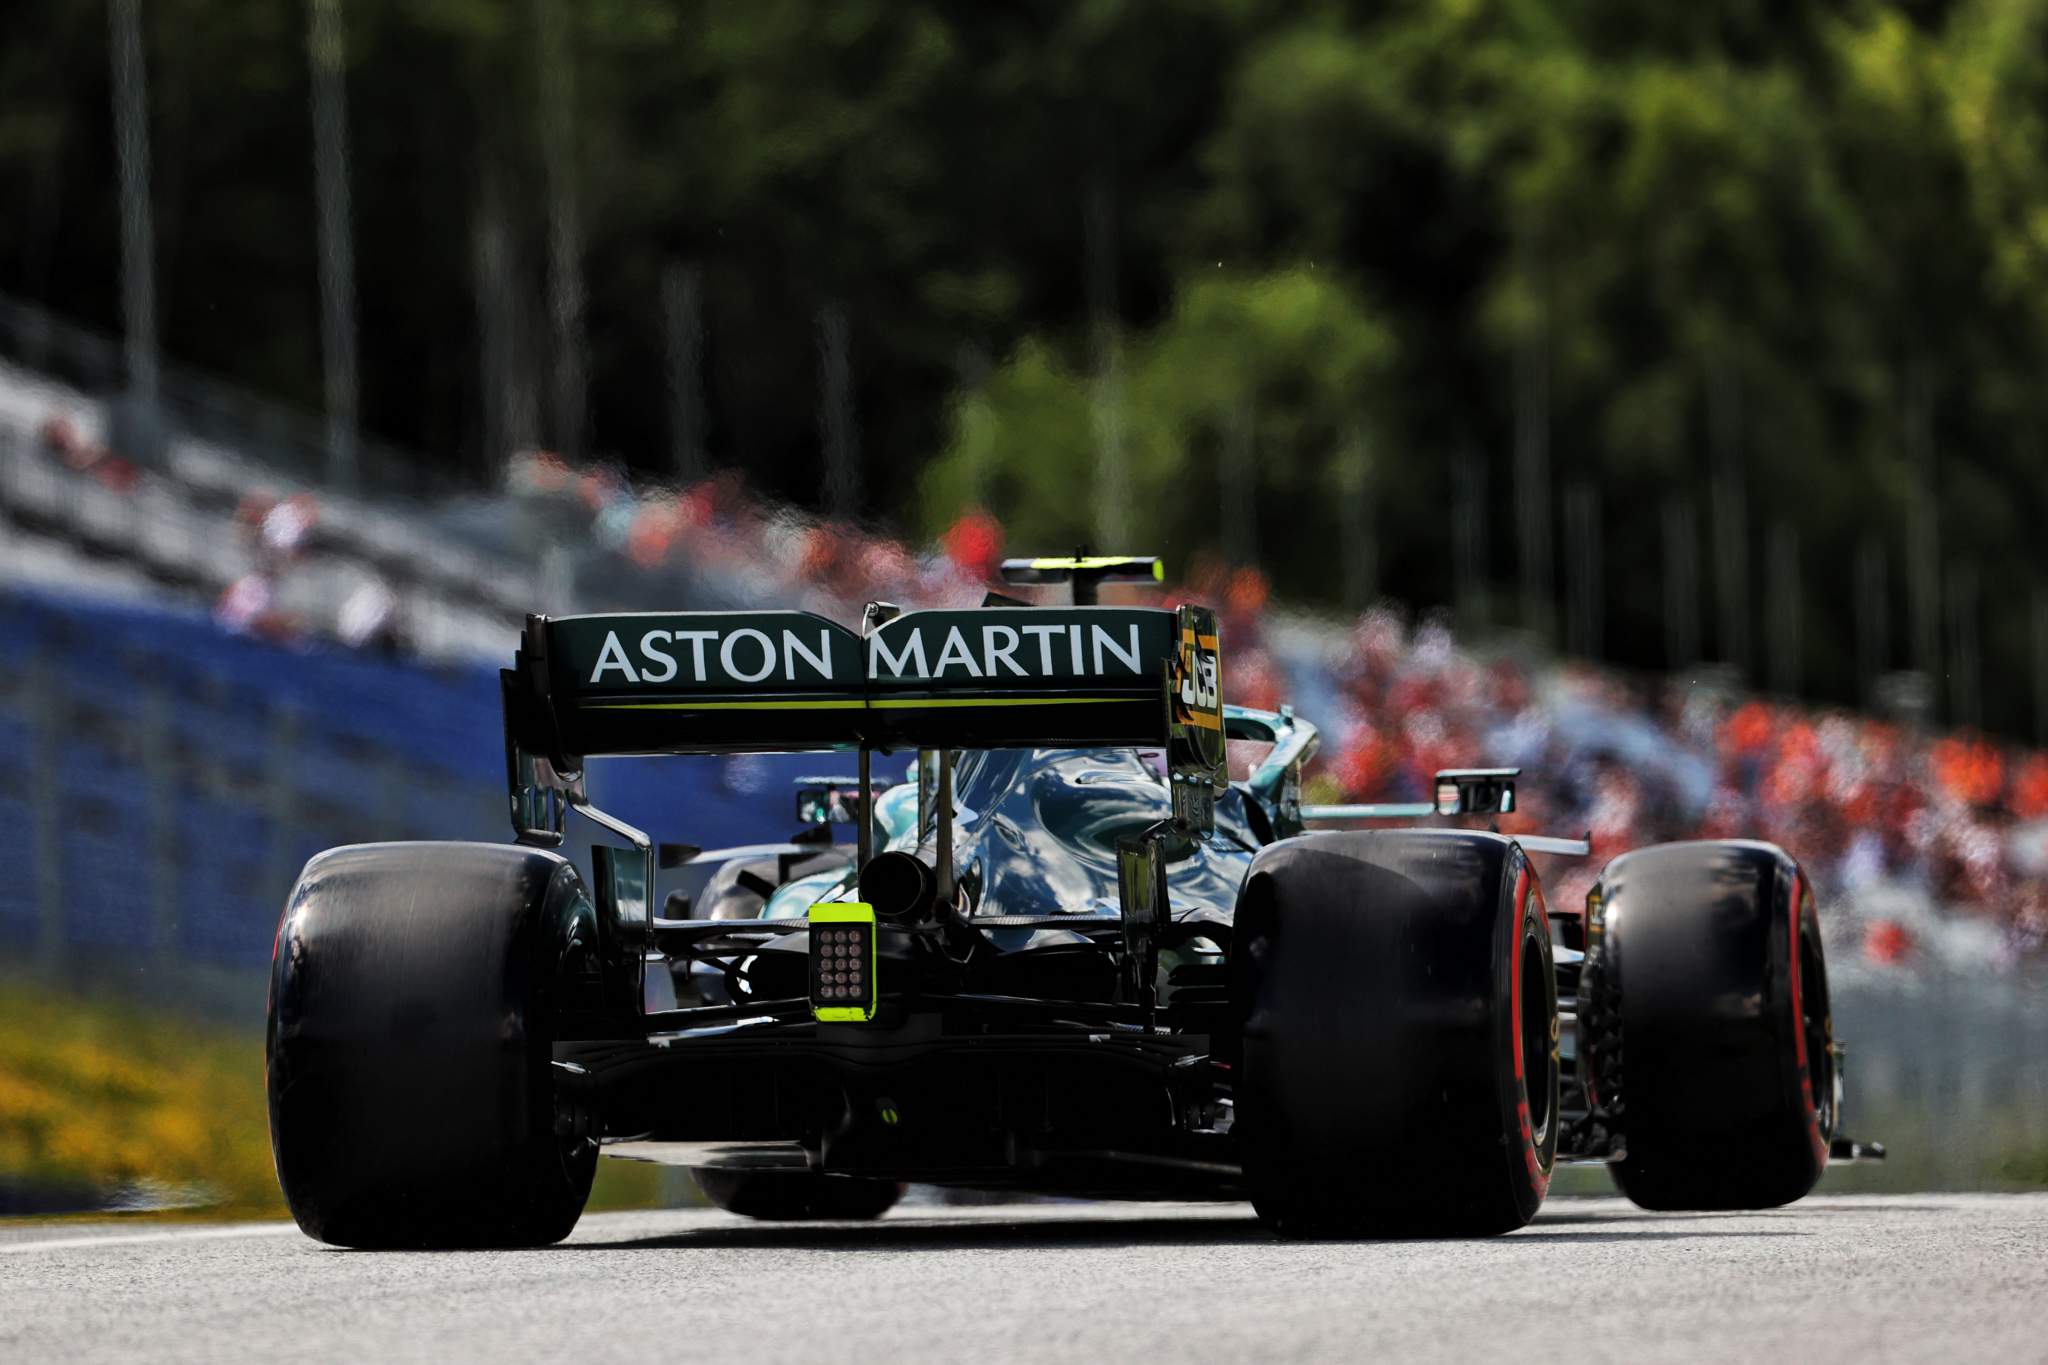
<point x="566" y="294"/>
<point x="138" y="412"/>
<point x="682" y="318"/>
<point x="1105" y="362"/>
<point x="1470" y="546"/>
<point x="326" y="50"/>
<point x="1681" y="583"/>
<point x="838" y="434"/>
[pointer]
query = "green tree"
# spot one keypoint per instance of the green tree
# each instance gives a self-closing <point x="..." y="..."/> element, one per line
<point x="1291" y="360"/>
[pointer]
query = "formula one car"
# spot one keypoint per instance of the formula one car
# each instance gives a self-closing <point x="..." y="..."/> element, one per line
<point x="1095" y="949"/>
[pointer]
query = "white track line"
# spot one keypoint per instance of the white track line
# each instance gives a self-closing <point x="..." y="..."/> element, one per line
<point x="149" y="1238"/>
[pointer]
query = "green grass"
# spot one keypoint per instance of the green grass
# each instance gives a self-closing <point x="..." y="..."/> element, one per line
<point x="103" y="1094"/>
<point x="2028" y="1167"/>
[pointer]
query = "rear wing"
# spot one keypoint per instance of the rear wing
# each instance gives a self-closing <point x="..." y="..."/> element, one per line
<point x="789" y="681"/>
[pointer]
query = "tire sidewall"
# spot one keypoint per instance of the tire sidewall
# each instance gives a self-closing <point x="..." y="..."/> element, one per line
<point x="1807" y="1076"/>
<point x="1529" y="1102"/>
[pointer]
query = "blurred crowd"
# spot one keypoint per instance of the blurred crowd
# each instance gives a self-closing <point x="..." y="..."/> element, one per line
<point x="249" y="531"/>
<point x="1926" y="848"/>
<point x="277" y="533"/>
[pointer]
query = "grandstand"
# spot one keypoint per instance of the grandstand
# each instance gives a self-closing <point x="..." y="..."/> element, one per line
<point x="83" y="514"/>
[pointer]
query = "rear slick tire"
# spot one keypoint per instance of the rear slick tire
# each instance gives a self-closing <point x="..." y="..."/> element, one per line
<point x="1398" y="1007"/>
<point x="414" y="995"/>
<point x="1707" y="957"/>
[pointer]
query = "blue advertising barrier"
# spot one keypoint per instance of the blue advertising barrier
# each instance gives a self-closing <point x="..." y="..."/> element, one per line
<point x="169" y="778"/>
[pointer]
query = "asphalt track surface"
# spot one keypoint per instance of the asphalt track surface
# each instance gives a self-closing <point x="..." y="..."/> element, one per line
<point x="1953" y="1278"/>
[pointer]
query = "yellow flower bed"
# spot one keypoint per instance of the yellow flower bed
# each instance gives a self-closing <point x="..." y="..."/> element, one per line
<point x="107" y="1094"/>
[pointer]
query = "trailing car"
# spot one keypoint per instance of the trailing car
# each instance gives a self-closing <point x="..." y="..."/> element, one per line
<point x="1096" y="948"/>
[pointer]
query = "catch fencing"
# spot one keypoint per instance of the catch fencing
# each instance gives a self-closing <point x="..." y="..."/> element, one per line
<point x="1950" y="1073"/>
<point x="169" y="779"/>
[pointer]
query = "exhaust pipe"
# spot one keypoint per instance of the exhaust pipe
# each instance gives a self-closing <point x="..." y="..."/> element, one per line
<point x="901" y="886"/>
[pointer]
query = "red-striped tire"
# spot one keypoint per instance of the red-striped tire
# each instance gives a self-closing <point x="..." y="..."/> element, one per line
<point x="1710" y="955"/>
<point x="1398" y="1011"/>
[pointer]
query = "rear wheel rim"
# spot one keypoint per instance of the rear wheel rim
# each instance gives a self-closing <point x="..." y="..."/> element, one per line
<point x="1815" y="1023"/>
<point x="1538" y="1058"/>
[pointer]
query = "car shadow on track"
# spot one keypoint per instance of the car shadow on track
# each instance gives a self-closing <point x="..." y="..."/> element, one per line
<point x="1049" y="1234"/>
<point x="911" y="1234"/>
<point x="1589" y="1236"/>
